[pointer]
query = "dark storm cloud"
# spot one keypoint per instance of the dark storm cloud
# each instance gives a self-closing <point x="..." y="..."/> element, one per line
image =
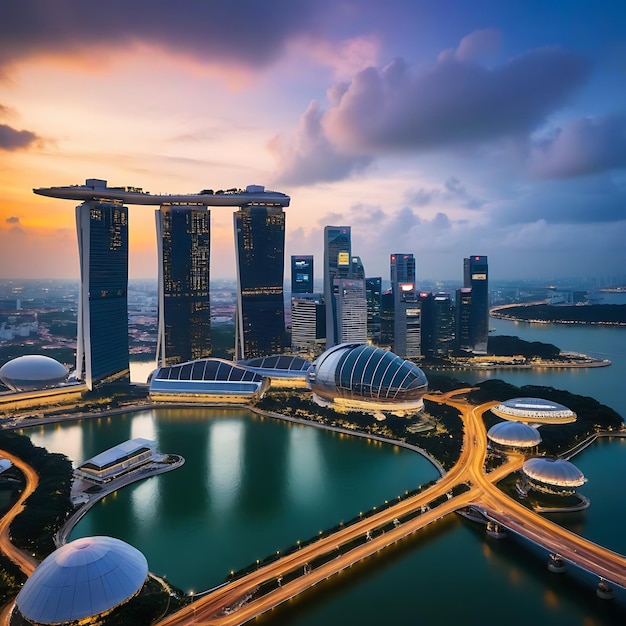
<point x="242" y="31"/>
<point x="584" y="146"/>
<point x="11" y="139"/>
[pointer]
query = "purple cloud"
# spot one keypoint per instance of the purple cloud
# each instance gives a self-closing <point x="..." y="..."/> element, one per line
<point x="11" y="139"/>
<point x="584" y="146"/>
<point x="310" y="156"/>
<point x="399" y="110"/>
<point x="240" y="31"/>
<point x="453" y="102"/>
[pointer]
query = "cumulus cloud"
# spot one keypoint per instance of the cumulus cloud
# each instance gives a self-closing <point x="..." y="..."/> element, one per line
<point x="12" y="220"/>
<point x="476" y="46"/>
<point x="244" y="32"/>
<point x="309" y="156"/>
<point x="453" y="191"/>
<point x="455" y="102"/>
<point x="584" y="146"/>
<point x="12" y="139"/>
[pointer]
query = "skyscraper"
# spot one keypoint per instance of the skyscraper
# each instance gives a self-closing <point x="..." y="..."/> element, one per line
<point x="184" y="242"/>
<point x="102" y="345"/>
<point x="463" y="319"/>
<point x="407" y="313"/>
<point x="308" y="323"/>
<point x="475" y="276"/>
<point x="373" y="295"/>
<point x="301" y="274"/>
<point x="260" y="252"/>
<point x="351" y="306"/>
<point x="443" y="325"/>
<point x="337" y="264"/>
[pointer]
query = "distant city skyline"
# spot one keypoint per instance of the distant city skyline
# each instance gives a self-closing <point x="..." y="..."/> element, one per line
<point x="429" y="127"/>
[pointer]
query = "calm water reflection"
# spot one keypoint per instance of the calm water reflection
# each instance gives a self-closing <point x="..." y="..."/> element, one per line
<point x="250" y="486"/>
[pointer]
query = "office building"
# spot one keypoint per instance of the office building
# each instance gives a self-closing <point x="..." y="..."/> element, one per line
<point x="443" y="331"/>
<point x="386" y="319"/>
<point x="356" y="268"/>
<point x="406" y="307"/>
<point x="351" y="306"/>
<point x="337" y="264"/>
<point x="184" y="242"/>
<point x="308" y="324"/>
<point x="475" y="276"/>
<point x="102" y="345"/>
<point x="301" y="274"/>
<point x="260" y="252"/>
<point x="373" y="295"/>
<point x="463" y="311"/>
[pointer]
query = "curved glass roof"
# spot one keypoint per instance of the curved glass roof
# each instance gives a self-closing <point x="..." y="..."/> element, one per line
<point x="554" y="472"/>
<point x="207" y="370"/>
<point x="366" y="372"/>
<point x="81" y="579"/>
<point x="515" y="434"/>
<point x="278" y="362"/>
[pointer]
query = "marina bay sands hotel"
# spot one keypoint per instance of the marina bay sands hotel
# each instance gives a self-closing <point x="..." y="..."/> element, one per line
<point x="183" y="239"/>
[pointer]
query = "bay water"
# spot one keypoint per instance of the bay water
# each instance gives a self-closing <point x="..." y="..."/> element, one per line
<point x="254" y="485"/>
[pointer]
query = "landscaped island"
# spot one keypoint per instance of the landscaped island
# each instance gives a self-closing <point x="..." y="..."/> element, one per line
<point x="612" y="314"/>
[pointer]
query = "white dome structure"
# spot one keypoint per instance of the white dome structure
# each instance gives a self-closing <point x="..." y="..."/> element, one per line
<point x="534" y="410"/>
<point x="514" y="435"/>
<point x="31" y="372"/>
<point x="82" y="579"/>
<point x="553" y="474"/>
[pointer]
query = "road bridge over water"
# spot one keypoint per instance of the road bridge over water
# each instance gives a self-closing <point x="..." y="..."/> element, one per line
<point x="262" y="590"/>
<point x="271" y="584"/>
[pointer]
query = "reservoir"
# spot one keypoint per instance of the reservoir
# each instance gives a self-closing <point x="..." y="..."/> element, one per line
<point x="253" y="485"/>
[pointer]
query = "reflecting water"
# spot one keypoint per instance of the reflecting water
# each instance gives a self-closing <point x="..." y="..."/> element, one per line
<point x="249" y="486"/>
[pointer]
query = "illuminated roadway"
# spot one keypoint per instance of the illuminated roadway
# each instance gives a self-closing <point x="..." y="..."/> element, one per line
<point x="23" y="560"/>
<point x="234" y="604"/>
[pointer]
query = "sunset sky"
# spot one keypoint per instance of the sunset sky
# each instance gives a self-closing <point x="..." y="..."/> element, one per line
<point x="442" y="128"/>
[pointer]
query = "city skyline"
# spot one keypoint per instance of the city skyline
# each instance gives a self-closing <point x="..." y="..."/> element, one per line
<point x="427" y="127"/>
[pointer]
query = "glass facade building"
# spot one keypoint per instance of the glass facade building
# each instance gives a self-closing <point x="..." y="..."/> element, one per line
<point x="260" y="255"/>
<point x="301" y="274"/>
<point x="475" y="276"/>
<point x="337" y="264"/>
<point x="406" y="308"/>
<point x="102" y="345"/>
<point x="373" y="294"/>
<point x="184" y="243"/>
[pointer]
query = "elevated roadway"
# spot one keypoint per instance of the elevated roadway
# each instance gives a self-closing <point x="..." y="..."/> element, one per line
<point x="241" y="600"/>
<point x="237" y="602"/>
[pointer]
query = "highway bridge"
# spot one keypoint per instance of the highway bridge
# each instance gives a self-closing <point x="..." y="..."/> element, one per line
<point x="270" y="585"/>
